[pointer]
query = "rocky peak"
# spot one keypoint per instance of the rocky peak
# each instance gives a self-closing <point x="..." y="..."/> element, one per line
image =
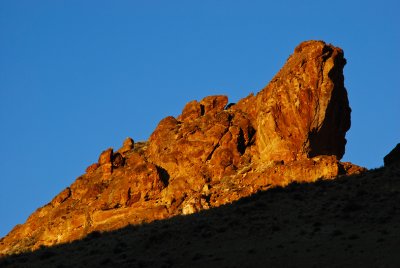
<point x="304" y="111"/>
<point x="293" y="130"/>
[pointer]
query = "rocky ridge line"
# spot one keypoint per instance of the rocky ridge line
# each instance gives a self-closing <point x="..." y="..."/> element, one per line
<point x="212" y="154"/>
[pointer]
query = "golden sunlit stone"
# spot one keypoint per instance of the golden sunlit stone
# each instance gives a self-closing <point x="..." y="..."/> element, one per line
<point x="212" y="154"/>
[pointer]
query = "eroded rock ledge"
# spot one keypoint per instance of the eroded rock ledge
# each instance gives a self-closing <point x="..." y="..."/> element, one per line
<point x="293" y="130"/>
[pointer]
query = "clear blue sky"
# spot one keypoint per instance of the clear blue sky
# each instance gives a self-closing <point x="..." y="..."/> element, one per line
<point x="77" y="77"/>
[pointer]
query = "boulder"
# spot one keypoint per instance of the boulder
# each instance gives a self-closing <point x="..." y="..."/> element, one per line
<point x="127" y="146"/>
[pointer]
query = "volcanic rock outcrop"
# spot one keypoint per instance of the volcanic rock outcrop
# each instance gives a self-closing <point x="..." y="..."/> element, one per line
<point x="293" y="130"/>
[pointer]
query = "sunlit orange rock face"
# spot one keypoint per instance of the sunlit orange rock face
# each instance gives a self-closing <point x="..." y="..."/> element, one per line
<point x="293" y="130"/>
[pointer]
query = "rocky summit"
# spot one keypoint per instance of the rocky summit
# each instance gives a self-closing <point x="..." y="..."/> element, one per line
<point x="213" y="153"/>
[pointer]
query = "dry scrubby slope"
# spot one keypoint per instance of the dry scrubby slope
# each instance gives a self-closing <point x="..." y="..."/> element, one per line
<point x="351" y="221"/>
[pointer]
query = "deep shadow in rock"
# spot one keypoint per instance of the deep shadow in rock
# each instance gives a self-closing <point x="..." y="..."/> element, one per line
<point x="164" y="176"/>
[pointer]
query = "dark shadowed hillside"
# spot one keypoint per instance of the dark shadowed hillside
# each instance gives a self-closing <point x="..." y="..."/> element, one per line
<point x="352" y="221"/>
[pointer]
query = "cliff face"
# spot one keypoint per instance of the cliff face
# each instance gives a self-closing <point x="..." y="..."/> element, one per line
<point x="212" y="154"/>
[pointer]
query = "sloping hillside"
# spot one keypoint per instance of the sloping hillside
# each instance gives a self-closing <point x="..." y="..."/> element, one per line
<point x="352" y="221"/>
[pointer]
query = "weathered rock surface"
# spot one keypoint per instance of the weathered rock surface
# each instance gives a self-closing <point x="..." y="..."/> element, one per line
<point x="304" y="110"/>
<point x="212" y="154"/>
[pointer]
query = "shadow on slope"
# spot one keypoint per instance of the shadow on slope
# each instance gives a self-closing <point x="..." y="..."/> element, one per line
<point x="348" y="222"/>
